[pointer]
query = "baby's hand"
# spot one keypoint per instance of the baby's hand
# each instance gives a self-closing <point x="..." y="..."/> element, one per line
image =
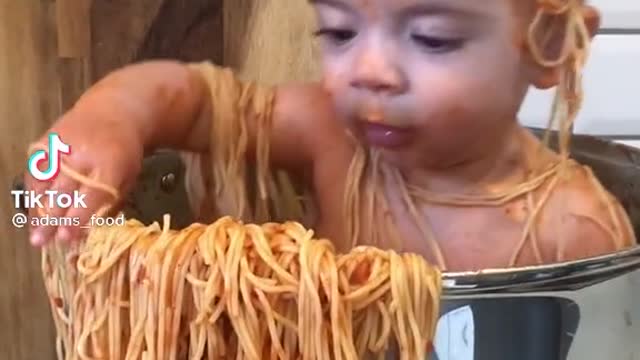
<point x="106" y="147"/>
<point x="155" y="104"/>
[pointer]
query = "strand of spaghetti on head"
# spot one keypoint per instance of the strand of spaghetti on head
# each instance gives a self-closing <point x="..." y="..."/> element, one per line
<point x="568" y="99"/>
<point x="570" y="60"/>
<point x="235" y="290"/>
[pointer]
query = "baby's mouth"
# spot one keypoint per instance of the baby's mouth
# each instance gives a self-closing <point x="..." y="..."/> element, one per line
<point x="377" y="114"/>
<point x="378" y="134"/>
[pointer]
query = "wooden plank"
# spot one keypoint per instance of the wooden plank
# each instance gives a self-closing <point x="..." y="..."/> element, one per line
<point x="127" y="31"/>
<point x="73" y="28"/>
<point x="28" y="104"/>
<point x="36" y="87"/>
<point x="185" y="30"/>
<point x="74" y="78"/>
<point x="118" y="27"/>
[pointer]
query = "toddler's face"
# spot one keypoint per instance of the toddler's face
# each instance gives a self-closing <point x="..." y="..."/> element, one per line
<point x="431" y="82"/>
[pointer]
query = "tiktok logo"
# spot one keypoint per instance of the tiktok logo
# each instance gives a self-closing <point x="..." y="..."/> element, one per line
<point x="56" y="149"/>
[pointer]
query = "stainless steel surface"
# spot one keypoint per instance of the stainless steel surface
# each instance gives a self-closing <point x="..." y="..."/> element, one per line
<point x="567" y="276"/>
<point x="582" y="310"/>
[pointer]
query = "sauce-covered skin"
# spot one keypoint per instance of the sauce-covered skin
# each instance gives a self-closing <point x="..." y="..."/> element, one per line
<point x="434" y="85"/>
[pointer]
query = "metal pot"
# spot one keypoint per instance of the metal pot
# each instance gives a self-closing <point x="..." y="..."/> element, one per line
<point x="580" y="310"/>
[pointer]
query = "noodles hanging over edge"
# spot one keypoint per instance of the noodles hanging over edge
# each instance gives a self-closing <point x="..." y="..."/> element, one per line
<point x="230" y="290"/>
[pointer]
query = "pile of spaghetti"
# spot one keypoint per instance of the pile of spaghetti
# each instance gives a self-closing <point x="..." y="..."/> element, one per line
<point x="234" y="290"/>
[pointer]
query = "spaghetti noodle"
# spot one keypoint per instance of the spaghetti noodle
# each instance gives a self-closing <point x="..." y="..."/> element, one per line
<point x="230" y="290"/>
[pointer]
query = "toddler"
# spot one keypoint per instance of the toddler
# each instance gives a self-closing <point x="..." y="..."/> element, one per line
<point x="410" y="140"/>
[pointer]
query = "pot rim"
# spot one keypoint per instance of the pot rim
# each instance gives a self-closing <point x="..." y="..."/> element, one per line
<point x="561" y="276"/>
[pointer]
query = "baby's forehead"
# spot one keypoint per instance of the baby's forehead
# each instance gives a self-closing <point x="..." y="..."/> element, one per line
<point x="382" y="7"/>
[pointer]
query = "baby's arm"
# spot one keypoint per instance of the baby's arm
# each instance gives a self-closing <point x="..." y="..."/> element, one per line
<point x="158" y="104"/>
<point x="161" y="100"/>
<point x="297" y="128"/>
<point x="175" y="109"/>
<point x="579" y="221"/>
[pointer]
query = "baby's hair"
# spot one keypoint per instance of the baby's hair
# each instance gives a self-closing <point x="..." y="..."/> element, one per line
<point x="570" y="60"/>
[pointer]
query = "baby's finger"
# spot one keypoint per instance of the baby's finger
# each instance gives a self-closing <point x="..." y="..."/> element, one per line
<point x="38" y="235"/>
<point x="65" y="192"/>
<point x="31" y="201"/>
<point x="34" y="200"/>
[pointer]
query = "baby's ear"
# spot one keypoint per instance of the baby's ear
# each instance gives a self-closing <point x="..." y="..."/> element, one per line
<point x="550" y="36"/>
<point x="592" y="19"/>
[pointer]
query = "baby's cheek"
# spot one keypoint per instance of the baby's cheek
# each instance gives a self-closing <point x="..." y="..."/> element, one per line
<point x="476" y="108"/>
<point x="447" y="119"/>
<point x="452" y="132"/>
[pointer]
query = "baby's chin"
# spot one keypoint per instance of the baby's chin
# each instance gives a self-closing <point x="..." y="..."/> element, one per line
<point x="410" y="159"/>
<point x="400" y="158"/>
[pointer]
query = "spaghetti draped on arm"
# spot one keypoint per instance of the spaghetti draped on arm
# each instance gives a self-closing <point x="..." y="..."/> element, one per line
<point x="239" y="183"/>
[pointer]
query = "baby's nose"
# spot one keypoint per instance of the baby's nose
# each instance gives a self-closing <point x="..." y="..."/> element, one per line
<point x="376" y="72"/>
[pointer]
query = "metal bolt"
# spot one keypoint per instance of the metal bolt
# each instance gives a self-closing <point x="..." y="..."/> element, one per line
<point x="168" y="182"/>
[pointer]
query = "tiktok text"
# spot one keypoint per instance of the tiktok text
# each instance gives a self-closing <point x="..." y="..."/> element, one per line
<point x="28" y="199"/>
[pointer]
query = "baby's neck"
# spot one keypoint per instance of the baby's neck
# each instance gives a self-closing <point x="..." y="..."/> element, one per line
<point x="504" y="166"/>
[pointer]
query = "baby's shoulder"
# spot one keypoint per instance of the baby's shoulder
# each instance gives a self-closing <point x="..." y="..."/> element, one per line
<point x="581" y="218"/>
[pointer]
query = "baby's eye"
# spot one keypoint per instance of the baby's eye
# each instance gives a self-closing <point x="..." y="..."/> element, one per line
<point x="436" y="44"/>
<point x="335" y="35"/>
